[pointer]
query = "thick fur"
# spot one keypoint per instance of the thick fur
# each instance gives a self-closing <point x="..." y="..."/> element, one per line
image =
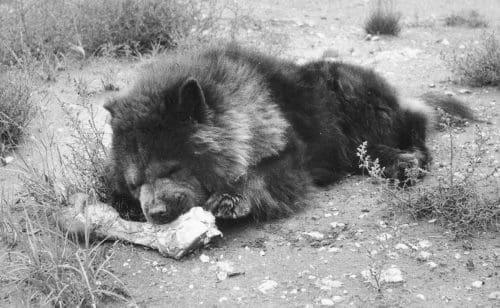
<point x="241" y="133"/>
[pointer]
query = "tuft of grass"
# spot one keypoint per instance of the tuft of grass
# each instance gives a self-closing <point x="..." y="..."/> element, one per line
<point x="479" y="63"/>
<point x="16" y="108"/>
<point x="80" y="165"/>
<point x="57" y="27"/>
<point x="471" y="19"/>
<point x="47" y="269"/>
<point x="462" y="201"/>
<point x="383" y="19"/>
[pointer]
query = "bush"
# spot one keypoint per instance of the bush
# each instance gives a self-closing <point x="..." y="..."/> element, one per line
<point x="465" y="200"/>
<point x="41" y="28"/>
<point x="16" y="109"/>
<point x="49" y="270"/>
<point x="479" y="64"/>
<point x="383" y="19"/>
<point x="470" y="19"/>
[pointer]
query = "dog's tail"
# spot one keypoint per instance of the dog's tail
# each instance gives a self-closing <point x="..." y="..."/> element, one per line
<point x="449" y="104"/>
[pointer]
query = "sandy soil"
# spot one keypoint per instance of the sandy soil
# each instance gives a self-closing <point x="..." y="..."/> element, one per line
<point x="304" y="260"/>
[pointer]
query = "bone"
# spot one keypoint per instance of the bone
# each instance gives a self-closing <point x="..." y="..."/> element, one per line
<point x="190" y="231"/>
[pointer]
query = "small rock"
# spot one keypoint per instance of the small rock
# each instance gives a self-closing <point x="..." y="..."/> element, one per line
<point x="477" y="284"/>
<point x="420" y="296"/>
<point x="431" y="85"/>
<point x="495" y="295"/>
<point x="204" y="258"/>
<point x="449" y="93"/>
<point x="7" y="160"/>
<point x="458" y="256"/>
<point x="424" y="244"/>
<point x="402" y="246"/>
<point x="326" y="302"/>
<point x="320" y="35"/>
<point x="328" y="284"/>
<point x="443" y="41"/>
<point x="337" y="299"/>
<point x="223" y="299"/>
<point x="392" y="274"/>
<point x="464" y="91"/>
<point x="375" y="38"/>
<point x="315" y="235"/>
<point x="432" y="265"/>
<point x="337" y="225"/>
<point x="424" y="256"/>
<point x="267" y="286"/>
<point x="333" y="249"/>
<point x="368" y="37"/>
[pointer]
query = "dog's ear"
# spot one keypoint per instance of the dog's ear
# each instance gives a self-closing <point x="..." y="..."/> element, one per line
<point x="192" y="103"/>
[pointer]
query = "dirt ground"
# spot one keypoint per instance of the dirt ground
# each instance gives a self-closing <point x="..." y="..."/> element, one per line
<point x="321" y="256"/>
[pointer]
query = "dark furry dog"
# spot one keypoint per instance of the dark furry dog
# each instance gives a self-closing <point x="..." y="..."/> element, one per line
<point x="241" y="133"/>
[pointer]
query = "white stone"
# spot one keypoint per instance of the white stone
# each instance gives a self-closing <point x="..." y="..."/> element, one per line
<point x="392" y="274"/>
<point x="424" y="256"/>
<point x="326" y="302"/>
<point x="402" y="246"/>
<point x="477" y="284"/>
<point x="267" y="286"/>
<point x="204" y="258"/>
<point x="424" y="244"/>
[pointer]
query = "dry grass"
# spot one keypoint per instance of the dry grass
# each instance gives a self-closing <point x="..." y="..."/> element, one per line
<point x="47" y="269"/>
<point x="383" y="19"/>
<point x="479" y="63"/>
<point x="16" y="109"/>
<point x="471" y="19"/>
<point x="40" y="29"/>
<point x="463" y="201"/>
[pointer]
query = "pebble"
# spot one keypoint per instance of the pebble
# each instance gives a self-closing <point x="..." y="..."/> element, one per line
<point x="336" y="224"/>
<point x="267" y="286"/>
<point x="477" y="284"/>
<point x="204" y="258"/>
<point x="333" y="249"/>
<point x="432" y="265"/>
<point x="424" y="256"/>
<point x="495" y="295"/>
<point x="337" y="299"/>
<point x="392" y="274"/>
<point x="315" y="235"/>
<point x="464" y="91"/>
<point x="420" y="296"/>
<point x="328" y="284"/>
<point x="424" y="244"/>
<point x="326" y="302"/>
<point x="402" y="246"/>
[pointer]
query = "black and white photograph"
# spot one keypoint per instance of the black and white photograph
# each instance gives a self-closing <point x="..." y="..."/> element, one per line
<point x="266" y="153"/>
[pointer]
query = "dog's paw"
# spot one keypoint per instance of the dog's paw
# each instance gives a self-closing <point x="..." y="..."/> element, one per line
<point x="228" y="206"/>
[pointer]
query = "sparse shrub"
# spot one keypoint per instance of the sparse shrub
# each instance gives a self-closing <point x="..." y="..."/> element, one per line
<point x="383" y="19"/>
<point x="55" y="27"/>
<point x="50" y="270"/>
<point x="16" y="109"/>
<point x="463" y="201"/>
<point x="478" y="64"/>
<point x="471" y="19"/>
